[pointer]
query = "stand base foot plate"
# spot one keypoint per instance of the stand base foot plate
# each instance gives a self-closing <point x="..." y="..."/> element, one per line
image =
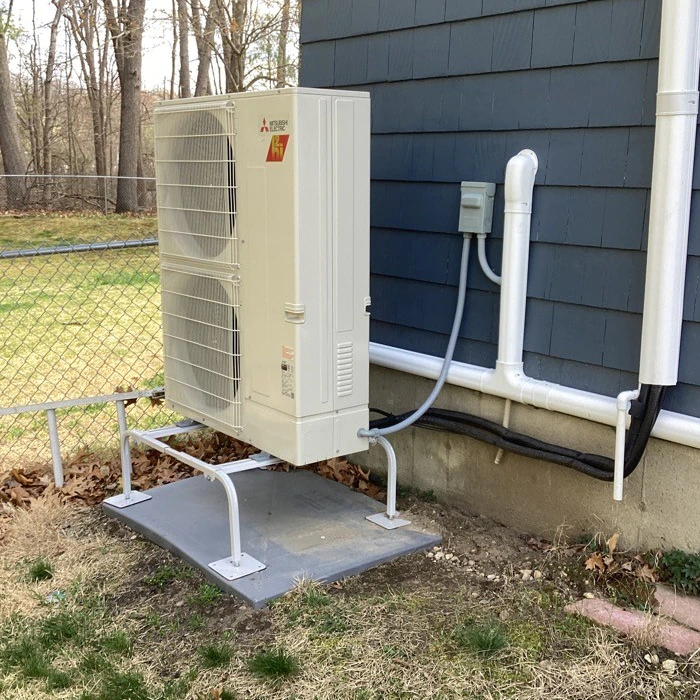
<point x="387" y="523"/>
<point x="247" y="566"/>
<point x="121" y="501"/>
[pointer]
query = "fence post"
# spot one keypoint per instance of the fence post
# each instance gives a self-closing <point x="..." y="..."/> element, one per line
<point x="55" y="448"/>
<point x="104" y="189"/>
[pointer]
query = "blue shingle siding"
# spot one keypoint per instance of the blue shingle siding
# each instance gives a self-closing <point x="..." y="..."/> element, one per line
<point x="459" y="86"/>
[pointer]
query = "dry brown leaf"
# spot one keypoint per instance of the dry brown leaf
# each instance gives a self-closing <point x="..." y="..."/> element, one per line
<point x="595" y="562"/>
<point x="612" y="542"/>
<point x="646" y="573"/>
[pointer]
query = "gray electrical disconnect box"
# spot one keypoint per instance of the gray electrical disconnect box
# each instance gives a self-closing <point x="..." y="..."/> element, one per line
<point x="476" y="207"/>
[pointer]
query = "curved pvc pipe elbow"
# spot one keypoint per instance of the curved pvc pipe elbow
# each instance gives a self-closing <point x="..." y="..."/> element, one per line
<point x="520" y="182"/>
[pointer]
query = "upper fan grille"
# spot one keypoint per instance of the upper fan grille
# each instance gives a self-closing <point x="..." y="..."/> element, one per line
<point x="202" y="343"/>
<point x="195" y="180"/>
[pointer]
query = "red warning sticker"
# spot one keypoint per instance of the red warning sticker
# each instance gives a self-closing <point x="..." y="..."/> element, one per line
<point x="278" y="147"/>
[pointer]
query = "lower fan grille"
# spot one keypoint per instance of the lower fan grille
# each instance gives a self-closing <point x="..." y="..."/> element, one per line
<point x="202" y="343"/>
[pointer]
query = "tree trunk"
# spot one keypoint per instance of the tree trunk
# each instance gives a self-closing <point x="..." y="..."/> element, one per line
<point x="282" y="45"/>
<point x="231" y="24"/>
<point x="13" y="157"/>
<point x="183" y="27"/>
<point x="49" y="110"/>
<point x="173" y="52"/>
<point x="127" y="31"/>
<point x="85" y="32"/>
<point x="205" y="40"/>
<point x="129" y="142"/>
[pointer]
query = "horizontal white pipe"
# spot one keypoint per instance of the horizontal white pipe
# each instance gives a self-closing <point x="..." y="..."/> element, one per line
<point x="669" y="216"/>
<point x="673" y="427"/>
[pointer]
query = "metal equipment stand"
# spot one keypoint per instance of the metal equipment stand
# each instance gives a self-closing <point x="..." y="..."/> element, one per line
<point x="239" y="564"/>
<point x="389" y="520"/>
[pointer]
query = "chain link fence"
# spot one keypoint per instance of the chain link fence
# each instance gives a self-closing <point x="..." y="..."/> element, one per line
<point x="79" y="317"/>
<point x="70" y="193"/>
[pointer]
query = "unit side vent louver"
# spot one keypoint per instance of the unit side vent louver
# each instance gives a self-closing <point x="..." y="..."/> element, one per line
<point x="196" y="185"/>
<point x="202" y="358"/>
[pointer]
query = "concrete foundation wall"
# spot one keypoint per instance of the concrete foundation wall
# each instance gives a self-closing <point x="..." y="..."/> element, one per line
<point x="661" y="506"/>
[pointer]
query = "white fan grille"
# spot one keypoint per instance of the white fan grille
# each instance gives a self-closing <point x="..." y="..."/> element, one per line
<point x="195" y="181"/>
<point x="202" y="343"/>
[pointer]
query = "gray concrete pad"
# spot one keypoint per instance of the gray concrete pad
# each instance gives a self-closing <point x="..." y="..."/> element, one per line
<point x="297" y="523"/>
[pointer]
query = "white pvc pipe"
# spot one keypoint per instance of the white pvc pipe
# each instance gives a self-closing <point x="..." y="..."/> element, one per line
<point x="483" y="260"/>
<point x="674" y="154"/>
<point x="519" y="184"/>
<point x="673" y="427"/>
<point x="624" y="399"/>
<point x="506" y="424"/>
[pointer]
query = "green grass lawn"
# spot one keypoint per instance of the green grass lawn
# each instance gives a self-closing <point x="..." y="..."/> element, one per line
<point x="133" y="623"/>
<point x="75" y="325"/>
<point x="36" y="230"/>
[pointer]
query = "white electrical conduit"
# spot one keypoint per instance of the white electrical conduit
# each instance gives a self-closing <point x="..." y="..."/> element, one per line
<point x="483" y="260"/>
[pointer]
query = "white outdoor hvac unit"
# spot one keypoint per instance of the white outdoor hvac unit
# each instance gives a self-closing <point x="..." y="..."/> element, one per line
<point x="263" y="215"/>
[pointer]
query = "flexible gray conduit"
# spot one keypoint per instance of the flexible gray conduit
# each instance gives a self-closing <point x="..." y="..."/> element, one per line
<point x="454" y="335"/>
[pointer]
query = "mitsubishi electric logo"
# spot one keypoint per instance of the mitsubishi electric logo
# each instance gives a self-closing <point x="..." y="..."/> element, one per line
<point x="275" y="126"/>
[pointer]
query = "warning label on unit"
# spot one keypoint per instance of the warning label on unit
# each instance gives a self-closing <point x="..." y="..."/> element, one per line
<point x="288" y="380"/>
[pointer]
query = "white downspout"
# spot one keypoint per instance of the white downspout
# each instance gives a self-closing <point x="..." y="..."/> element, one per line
<point x="674" y="154"/>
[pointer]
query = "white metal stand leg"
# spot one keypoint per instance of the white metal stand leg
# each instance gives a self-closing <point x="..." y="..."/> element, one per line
<point x="390" y="519"/>
<point x="127" y="497"/>
<point x="237" y="565"/>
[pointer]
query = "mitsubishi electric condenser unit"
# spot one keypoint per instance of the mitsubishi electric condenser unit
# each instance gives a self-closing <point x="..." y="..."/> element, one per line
<point x="263" y="216"/>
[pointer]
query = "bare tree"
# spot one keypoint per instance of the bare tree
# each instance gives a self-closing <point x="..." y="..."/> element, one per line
<point x="282" y="43"/>
<point x="13" y="156"/>
<point x="126" y="28"/>
<point x="173" y="51"/>
<point x="204" y="36"/>
<point x="183" y="26"/>
<point x="48" y="98"/>
<point x="92" y="51"/>
<point x="247" y="29"/>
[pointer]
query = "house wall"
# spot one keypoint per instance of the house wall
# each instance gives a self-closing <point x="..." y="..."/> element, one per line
<point x="458" y="87"/>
